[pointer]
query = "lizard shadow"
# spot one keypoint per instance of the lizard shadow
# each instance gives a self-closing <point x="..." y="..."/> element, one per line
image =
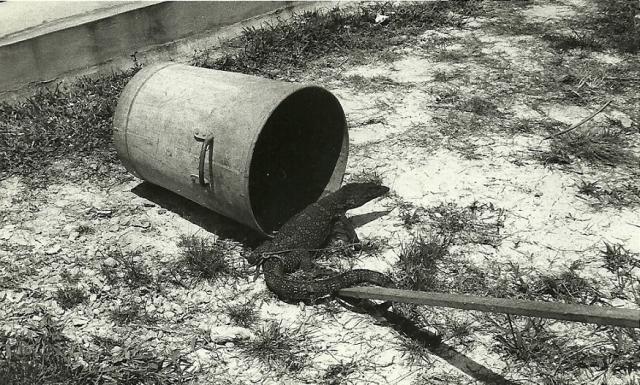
<point x="432" y="341"/>
<point x="363" y="219"/>
<point x="200" y="216"/>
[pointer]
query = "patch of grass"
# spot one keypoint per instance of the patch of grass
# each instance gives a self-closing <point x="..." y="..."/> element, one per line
<point x="616" y="24"/>
<point x="528" y="341"/>
<point x="618" y="259"/>
<point x="41" y="356"/>
<point x="85" y="230"/>
<point x="129" y="311"/>
<point x="419" y="261"/>
<point x="118" y="363"/>
<point x="70" y="296"/>
<point x="510" y="21"/>
<point x="447" y="94"/>
<point x="336" y="374"/>
<point x="278" y="50"/>
<point x="460" y="330"/>
<point x="69" y="123"/>
<point x="451" y="55"/>
<point x="366" y="176"/>
<point x="603" y="147"/>
<point x="567" y="286"/>
<point x="441" y="76"/>
<point x="479" y="106"/>
<point x="129" y="270"/>
<point x="575" y="40"/>
<point x="532" y="346"/>
<point x="511" y="281"/>
<point x="203" y="258"/>
<point x="444" y="76"/>
<point x="625" y="195"/>
<point x="531" y="126"/>
<point x="478" y="223"/>
<point x="277" y="347"/>
<point x="547" y="353"/>
<point x="621" y="262"/>
<point x="376" y="83"/>
<point x="417" y="351"/>
<point x="242" y="314"/>
<point x="410" y="215"/>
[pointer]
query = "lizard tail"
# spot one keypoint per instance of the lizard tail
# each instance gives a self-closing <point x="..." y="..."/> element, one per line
<point x="300" y="290"/>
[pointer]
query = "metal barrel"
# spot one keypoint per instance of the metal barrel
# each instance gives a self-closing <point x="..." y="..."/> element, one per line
<point x="252" y="149"/>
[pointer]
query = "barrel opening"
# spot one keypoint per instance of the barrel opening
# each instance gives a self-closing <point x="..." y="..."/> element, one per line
<point x="295" y="155"/>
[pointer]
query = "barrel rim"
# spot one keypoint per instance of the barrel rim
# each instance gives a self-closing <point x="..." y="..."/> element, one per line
<point x="268" y="113"/>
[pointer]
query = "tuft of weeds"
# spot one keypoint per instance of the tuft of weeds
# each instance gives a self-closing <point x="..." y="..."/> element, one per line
<point x="626" y="195"/>
<point x="366" y="176"/>
<point x="618" y="259"/>
<point x="129" y="311"/>
<point x="336" y="374"/>
<point x="204" y="258"/>
<point x="613" y="25"/>
<point x="376" y="83"/>
<point x="417" y="351"/>
<point x="410" y="215"/>
<point x="441" y="76"/>
<point x="444" y="76"/>
<point x="85" y="230"/>
<point x="509" y="280"/>
<point x="528" y="341"/>
<point x="451" y="55"/>
<point x="278" y="50"/>
<point x="617" y="25"/>
<point x="533" y="342"/>
<point x="478" y="223"/>
<point x="419" y="261"/>
<point x="44" y="355"/>
<point x="621" y="263"/>
<point x="70" y="296"/>
<point x="447" y="94"/>
<point x="604" y="147"/>
<point x="460" y="330"/>
<point x="575" y="40"/>
<point x="118" y="363"/>
<point x="242" y="314"/>
<point x="129" y="270"/>
<point x="277" y="347"/>
<point x="41" y="356"/>
<point x="68" y="123"/>
<point x="69" y="278"/>
<point x="479" y="106"/>
<point x="567" y="286"/>
<point x="530" y="126"/>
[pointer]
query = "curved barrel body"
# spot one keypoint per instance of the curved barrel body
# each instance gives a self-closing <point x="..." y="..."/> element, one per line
<point x="252" y="149"/>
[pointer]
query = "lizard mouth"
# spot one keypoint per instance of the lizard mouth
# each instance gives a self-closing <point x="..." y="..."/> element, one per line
<point x="300" y="153"/>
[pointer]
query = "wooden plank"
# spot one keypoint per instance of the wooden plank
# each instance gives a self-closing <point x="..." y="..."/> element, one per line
<point x="600" y="315"/>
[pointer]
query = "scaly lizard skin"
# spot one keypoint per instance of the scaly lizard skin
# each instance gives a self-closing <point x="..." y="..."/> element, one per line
<point x="308" y="230"/>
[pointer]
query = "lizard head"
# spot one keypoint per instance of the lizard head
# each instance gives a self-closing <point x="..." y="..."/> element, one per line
<point x="356" y="194"/>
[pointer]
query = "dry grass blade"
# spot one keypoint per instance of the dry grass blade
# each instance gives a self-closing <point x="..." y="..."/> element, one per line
<point x="606" y="147"/>
<point x="277" y="347"/>
<point x="583" y="121"/>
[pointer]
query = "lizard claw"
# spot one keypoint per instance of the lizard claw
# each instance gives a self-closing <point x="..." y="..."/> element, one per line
<point x="259" y="265"/>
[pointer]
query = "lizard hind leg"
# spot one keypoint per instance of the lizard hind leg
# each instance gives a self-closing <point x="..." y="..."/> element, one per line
<point x="343" y="240"/>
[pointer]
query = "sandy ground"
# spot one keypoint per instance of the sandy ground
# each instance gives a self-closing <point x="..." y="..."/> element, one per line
<point x="396" y="133"/>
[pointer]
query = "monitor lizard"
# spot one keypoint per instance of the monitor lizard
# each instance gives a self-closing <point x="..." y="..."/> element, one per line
<point x="293" y="246"/>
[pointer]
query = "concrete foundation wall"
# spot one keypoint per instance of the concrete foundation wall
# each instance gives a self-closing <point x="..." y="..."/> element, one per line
<point x="112" y="39"/>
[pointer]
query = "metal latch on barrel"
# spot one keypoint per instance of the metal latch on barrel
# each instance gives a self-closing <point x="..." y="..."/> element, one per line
<point x="207" y="144"/>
